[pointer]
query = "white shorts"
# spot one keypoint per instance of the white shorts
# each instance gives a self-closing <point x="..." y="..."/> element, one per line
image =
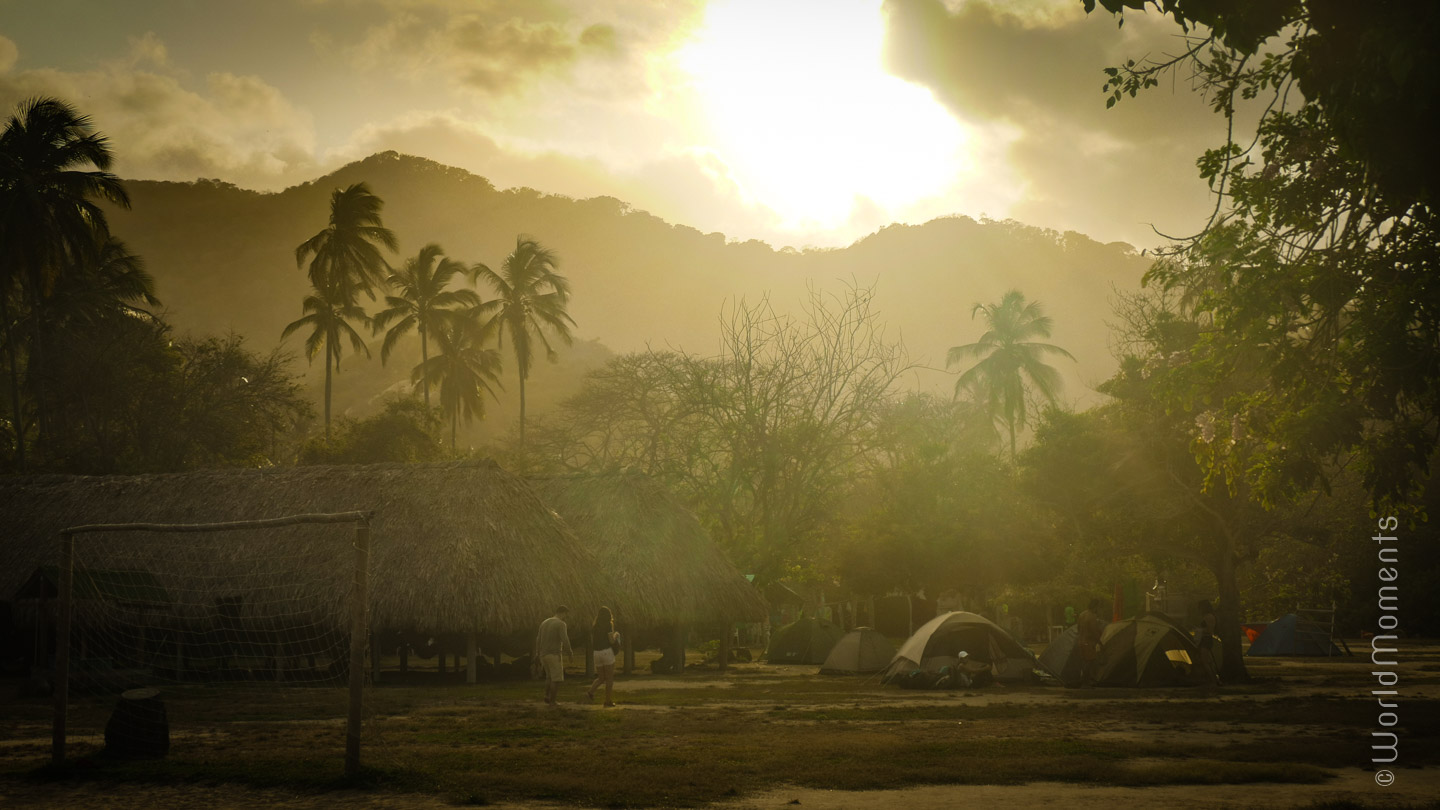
<point x="554" y="671"/>
<point x="605" y="657"/>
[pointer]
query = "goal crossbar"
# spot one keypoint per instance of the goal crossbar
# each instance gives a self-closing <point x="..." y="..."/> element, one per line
<point x="360" y="599"/>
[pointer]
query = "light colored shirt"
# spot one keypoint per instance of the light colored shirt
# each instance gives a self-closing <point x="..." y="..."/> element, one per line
<point x="554" y="637"/>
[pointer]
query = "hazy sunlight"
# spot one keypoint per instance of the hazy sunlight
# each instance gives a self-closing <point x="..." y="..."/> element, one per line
<point x="798" y="102"/>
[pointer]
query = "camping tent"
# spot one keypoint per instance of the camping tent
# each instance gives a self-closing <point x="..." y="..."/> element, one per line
<point x="1292" y="635"/>
<point x="1062" y="657"/>
<point x="806" y="641"/>
<point x="860" y="651"/>
<point x="1148" y="650"/>
<point x="940" y="641"/>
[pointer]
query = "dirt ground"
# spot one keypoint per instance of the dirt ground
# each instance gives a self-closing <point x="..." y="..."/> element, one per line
<point x="1099" y="715"/>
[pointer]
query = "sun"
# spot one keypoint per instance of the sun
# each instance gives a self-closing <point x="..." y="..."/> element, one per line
<point x="796" y="102"/>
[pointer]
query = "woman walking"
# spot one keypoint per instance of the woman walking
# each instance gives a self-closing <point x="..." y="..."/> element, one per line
<point x="605" y="642"/>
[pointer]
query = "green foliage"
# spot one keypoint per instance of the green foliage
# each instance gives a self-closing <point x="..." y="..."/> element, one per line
<point x="532" y="302"/>
<point x="1010" y="362"/>
<point x="50" y="226"/>
<point x="423" y="302"/>
<point x="1315" y="281"/>
<point x="345" y="260"/>
<point x="464" y="369"/>
<point x="404" y="431"/>
<point x="131" y="399"/>
<point x="935" y="510"/>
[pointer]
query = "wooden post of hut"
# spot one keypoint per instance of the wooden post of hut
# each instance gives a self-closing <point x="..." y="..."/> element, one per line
<point x="472" y="652"/>
<point x="374" y="658"/>
<point x="590" y="653"/>
<point x="724" y="646"/>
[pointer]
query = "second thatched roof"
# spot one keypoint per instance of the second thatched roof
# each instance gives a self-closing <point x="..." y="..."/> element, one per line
<point x="455" y="547"/>
<point x="658" y="565"/>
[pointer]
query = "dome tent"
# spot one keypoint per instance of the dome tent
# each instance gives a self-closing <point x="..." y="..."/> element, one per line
<point x="804" y="641"/>
<point x="1292" y="635"/>
<point x="1062" y="658"/>
<point x="1148" y="650"/>
<point x="941" y="640"/>
<point x="861" y="651"/>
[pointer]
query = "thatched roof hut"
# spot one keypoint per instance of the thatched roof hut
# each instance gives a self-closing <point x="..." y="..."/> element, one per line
<point x="658" y="565"/>
<point x="455" y="547"/>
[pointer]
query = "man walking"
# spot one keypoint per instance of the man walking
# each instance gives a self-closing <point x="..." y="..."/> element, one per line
<point x="552" y="644"/>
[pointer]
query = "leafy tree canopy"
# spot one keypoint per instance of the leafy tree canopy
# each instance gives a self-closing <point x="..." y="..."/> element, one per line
<point x="1314" y="284"/>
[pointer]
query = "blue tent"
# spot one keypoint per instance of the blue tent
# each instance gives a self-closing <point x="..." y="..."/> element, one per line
<point x="1292" y="635"/>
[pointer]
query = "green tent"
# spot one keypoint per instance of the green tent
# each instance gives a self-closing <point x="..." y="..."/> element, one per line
<point x="861" y="651"/>
<point x="806" y="641"/>
<point x="1148" y="650"/>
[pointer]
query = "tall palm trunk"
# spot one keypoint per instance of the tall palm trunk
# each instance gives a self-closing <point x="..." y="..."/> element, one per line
<point x="14" y="383"/>
<point x="425" y="363"/>
<point x="522" y="411"/>
<point x="329" y="352"/>
<point x="36" y="366"/>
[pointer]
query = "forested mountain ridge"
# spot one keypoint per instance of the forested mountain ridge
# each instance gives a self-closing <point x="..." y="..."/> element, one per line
<point x="223" y="260"/>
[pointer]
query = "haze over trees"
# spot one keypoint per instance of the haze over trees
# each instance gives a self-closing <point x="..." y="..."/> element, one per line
<point x="1009" y="365"/>
<point x="531" y="302"/>
<point x="810" y="441"/>
<point x="345" y="260"/>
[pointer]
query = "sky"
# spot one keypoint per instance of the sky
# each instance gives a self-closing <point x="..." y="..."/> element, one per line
<point x="799" y="122"/>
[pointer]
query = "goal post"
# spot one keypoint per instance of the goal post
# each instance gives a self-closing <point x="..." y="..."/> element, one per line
<point x="359" y="604"/>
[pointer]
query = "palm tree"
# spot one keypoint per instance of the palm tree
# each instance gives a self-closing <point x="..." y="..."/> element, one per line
<point x="1008" y="358"/>
<point x="422" y="303"/>
<point x="345" y="257"/>
<point x="110" y="280"/>
<point x="329" y="323"/>
<point x="49" y="217"/>
<point x="345" y="261"/>
<point x="464" y="369"/>
<point x="532" y="299"/>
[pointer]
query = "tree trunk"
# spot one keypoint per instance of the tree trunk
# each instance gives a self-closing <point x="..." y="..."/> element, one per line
<point x="329" y="349"/>
<point x="1227" y="620"/>
<point x="424" y="375"/>
<point x="19" y="422"/>
<point x="522" y="412"/>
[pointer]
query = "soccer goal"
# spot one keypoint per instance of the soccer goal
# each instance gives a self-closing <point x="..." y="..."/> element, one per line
<point x="265" y="607"/>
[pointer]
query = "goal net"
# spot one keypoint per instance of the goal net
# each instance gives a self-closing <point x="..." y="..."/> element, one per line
<point x="166" y="636"/>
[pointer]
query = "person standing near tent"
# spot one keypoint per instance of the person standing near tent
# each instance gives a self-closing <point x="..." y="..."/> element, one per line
<point x="604" y="642"/>
<point x="552" y="644"/>
<point x="1205" y="640"/>
<point x="1088" y="627"/>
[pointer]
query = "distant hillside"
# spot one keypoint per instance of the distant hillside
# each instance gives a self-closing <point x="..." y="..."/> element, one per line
<point x="223" y="259"/>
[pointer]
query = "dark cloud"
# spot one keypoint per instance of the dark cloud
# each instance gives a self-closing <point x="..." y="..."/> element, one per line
<point x="1086" y="167"/>
<point x="231" y="126"/>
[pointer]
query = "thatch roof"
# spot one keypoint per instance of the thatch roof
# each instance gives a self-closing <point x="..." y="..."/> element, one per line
<point x="658" y="565"/>
<point x="455" y="547"/>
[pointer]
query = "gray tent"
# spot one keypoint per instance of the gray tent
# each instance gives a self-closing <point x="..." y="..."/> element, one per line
<point x="942" y="639"/>
<point x="860" y="651"/>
